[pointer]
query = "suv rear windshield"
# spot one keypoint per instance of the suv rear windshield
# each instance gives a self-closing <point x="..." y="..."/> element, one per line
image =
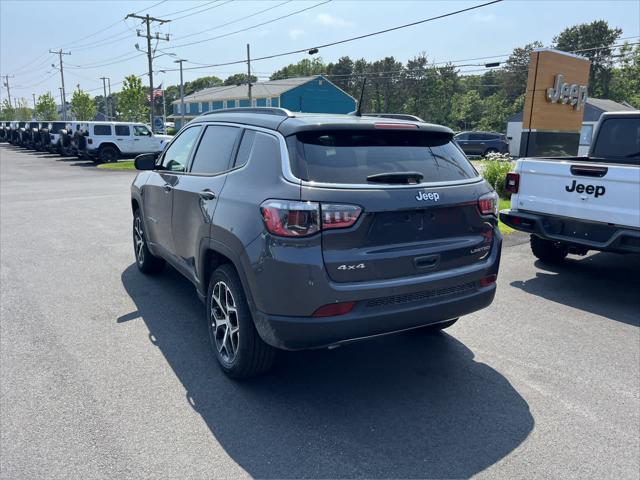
<point x="56" y="126"/>
<point x="350" y="156"/>
<point x="619" y="139"/>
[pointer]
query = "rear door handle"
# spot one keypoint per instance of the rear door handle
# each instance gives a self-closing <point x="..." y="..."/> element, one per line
<point x="207" y="195"/>
<point x="167" y="188"/>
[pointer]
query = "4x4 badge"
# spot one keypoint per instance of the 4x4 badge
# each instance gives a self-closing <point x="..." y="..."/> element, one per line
<point x="424" y="196"/>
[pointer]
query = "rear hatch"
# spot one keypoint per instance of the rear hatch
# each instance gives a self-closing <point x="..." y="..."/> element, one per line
<point x="420" y="216"/>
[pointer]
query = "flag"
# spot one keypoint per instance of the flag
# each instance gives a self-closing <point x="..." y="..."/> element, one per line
<point x="157" y="92"/>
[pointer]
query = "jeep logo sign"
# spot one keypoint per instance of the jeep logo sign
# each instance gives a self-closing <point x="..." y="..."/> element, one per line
<point x="572" y="94"/>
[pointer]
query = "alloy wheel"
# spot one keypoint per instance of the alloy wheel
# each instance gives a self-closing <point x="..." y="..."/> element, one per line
<point x="138" y="239"/>
<point x="224" y="326"/>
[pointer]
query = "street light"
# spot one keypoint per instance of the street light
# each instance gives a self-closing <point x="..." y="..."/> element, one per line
<point x="181" y="61"/>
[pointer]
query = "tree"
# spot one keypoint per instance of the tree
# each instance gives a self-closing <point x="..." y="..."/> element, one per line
<point x="467" y="110"/>
<point x="516" y="70"/>
<point x="7" y="112"/>
<point x="625" y="82"/>
<point x="22" y="112"/>
<point x="132" y="100"/>
<point x="304" y="68"/>
<point x="83" y="106"/>
<point x="46" y="108"/>
<point x="595" y="40"/>
<point x="239" y="79"/>
<point x="200" y="84"/>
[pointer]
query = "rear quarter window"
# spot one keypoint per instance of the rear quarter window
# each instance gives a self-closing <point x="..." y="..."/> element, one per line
<point x="350" y="156"/>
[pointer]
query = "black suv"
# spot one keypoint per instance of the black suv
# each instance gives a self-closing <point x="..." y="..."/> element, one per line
<point x="307" y="230"/>
<point x="482" y="143"/>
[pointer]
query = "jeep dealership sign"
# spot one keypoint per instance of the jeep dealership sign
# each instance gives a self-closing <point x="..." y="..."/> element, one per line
<point x="565" y="93"/>
<point x="554" y="103"/>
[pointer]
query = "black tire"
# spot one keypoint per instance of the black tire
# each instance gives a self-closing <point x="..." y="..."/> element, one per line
<point x="548" y="251"/>
<point x="490" y="150"/>
<point x="108" y="154"/>
<point x="437" y="327"/>
<point x="147" y="263"/>
<point x="248" y="355"/>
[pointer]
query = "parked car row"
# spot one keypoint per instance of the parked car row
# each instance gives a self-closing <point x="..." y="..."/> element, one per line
<point x="97" y="141"/>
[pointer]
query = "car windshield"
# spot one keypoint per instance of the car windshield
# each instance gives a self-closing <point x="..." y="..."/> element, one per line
<point x="353" y="156"/>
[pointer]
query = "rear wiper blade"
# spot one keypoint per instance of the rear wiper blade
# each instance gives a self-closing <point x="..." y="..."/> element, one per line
<point x="396" y="177"/>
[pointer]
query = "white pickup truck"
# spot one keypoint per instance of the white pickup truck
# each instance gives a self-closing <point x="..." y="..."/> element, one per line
<point x="577" y="204"/>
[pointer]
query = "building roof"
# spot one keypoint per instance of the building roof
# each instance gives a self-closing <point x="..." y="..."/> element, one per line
<point x="593" y="109"/>
<point x="272" y="88"/>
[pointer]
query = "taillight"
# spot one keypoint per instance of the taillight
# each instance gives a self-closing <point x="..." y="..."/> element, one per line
<point x="339" y="216"/>
<point x="289" y="218"/>
<point x="334" y="309"/>
<point x="488" y="204"/>
<point x="512" y="182"/>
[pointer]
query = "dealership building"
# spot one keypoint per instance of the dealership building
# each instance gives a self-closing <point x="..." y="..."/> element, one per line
<point x="313" y="94"/>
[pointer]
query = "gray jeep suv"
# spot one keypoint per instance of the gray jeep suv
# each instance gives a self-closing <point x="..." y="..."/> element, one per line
<point x="307" y="230"/>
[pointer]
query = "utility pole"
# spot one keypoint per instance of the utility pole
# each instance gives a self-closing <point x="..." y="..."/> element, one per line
<point x="147" y="19"/>
<point x="180" y="61"/>
<point x="110" y="103"/>
<point x="34" y="101"/>
<point x="106" y="101"/>
<point x="60" y="89"/>
<point x="249" y="73"/>
<point x="64" y="96"/>
<point x="6" y="84"/>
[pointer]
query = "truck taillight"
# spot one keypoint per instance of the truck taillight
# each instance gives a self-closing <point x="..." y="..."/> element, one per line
<point x="488" y="204"/>
<point x="290" y="218"/>
<point x="512" y="182"/>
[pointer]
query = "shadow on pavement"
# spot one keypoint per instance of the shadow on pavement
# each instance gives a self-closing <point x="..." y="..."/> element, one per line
<point x="408" y="405"/>
<point x="604" y="284"/>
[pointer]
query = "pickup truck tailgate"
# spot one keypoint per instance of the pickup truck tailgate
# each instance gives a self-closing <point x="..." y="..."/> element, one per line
<point x="599" y="192"/>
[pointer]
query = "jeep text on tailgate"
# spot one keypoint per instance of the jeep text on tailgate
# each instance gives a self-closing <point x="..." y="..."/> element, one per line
<point x="577" y="204"/>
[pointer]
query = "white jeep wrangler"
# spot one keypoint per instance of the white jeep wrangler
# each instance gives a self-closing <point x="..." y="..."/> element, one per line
<point x="108" y="141"/>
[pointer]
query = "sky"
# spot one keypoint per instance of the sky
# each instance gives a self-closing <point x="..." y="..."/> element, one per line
<point x="102" y="42"/>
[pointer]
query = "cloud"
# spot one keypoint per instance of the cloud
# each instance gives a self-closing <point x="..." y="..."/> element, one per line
<point x="331" y="21"/>
<point x="484" y="17"/>
<point x="296" y="33"/>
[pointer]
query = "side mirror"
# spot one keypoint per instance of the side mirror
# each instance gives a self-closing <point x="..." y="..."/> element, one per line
<point x="145" y="161"/>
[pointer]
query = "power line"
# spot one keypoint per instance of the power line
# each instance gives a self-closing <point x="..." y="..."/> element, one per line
<point x="253" y="26"/>
<point x="234" y="21"/>
<point x="351" y="39"/>
<point x="188" y="9"/>
<point x="200" y="11"/>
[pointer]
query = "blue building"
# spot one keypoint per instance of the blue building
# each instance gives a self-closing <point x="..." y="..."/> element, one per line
<point x="302" y="94"/>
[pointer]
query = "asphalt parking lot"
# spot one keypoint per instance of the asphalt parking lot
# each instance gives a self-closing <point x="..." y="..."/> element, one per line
<point x="107" y="374"/>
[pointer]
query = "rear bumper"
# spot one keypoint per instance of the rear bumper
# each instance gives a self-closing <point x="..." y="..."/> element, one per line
<point x="297" y="333"/>
<point x="592" y="235"/>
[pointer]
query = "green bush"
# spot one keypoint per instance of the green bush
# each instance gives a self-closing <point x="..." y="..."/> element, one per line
<point x="495" y="173"/>
<point x="171" y="131"/>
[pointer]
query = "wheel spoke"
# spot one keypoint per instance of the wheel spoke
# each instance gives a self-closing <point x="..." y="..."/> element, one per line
<point x="225" y="329"/>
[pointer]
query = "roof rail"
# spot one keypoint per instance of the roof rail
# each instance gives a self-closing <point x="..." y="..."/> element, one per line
<point x="280" y="112"/>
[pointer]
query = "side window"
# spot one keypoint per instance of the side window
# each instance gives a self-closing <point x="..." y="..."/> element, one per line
<point x="261" y="144"/>
<point x="462" y="136"/>
<point x="102" y="130"/>
<point x="122" y="130"/>
<point x="245" y="148"/>
<point x="141" y="131"/>
<point x="215" y="149"/>
<point x="177" y="155"/>
<point x="586" y="133"/>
